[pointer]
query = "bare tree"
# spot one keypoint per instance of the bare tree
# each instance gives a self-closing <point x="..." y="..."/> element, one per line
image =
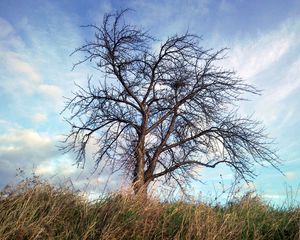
<point x="162" y="112"/>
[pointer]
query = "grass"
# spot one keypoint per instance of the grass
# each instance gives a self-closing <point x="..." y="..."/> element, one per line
<point x="38" y="210"/>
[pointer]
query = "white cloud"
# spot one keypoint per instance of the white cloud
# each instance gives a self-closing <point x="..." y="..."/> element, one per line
<point x="30" y="151"/>
<point x="25" y="149"/>
<point x="15" y="64"/>
<point x="42" y="170"/>
<point x="26" y="76"/>
<point x="274" y="104"/>
<point x="272" y="196"/>
<point x="35" y="151"/>
<point x="22" y="68"/>
<point x="39" y="117"/>
<point x="59" y="166"/>
<point x="26" y="140"/>
<point x="270" y="61"/>
<point x="23" y="75"/>
<point x="288" y="84"/>
<point x="5" y="124"/>
<point x="253" y="56"/>
<point x="53" y="91"/>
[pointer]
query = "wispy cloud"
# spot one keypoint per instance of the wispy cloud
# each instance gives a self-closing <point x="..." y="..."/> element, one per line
<point x="270" y="61"/>
<point x="8" y="36"/>
<point x="14" y="64"/>
<point x="22" y="69"/>
<point x="254" y="55"/>
<point x="26" y="77"/>
<point x="287" y="85"/>
<point x="276" y="104"/>
<point x="6" y="29"/>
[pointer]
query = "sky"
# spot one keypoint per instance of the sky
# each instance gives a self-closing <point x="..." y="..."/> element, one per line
<point x="37" y="38"/>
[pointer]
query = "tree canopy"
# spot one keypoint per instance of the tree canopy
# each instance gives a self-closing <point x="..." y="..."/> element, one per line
<point x="162" y="109"/>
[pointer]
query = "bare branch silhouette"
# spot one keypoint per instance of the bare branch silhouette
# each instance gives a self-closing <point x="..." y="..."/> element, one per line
<point x="163" y="111"/>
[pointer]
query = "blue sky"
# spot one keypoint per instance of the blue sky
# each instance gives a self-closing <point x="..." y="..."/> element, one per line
<point x="37" y="37"/>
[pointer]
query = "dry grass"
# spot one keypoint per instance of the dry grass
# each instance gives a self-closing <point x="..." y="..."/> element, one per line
<point x="40" y="211"/>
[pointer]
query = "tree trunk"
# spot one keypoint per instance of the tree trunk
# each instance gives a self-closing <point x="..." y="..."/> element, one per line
<point x="139" y="182"/>
<point x="140" y="188"/>
<point x="139" y="174"/>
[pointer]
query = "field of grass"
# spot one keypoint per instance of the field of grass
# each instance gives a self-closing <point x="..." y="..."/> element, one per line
<point x="36" y="210"/>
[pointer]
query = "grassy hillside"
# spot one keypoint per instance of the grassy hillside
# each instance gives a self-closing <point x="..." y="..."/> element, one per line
<point x="41" y="211"/>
